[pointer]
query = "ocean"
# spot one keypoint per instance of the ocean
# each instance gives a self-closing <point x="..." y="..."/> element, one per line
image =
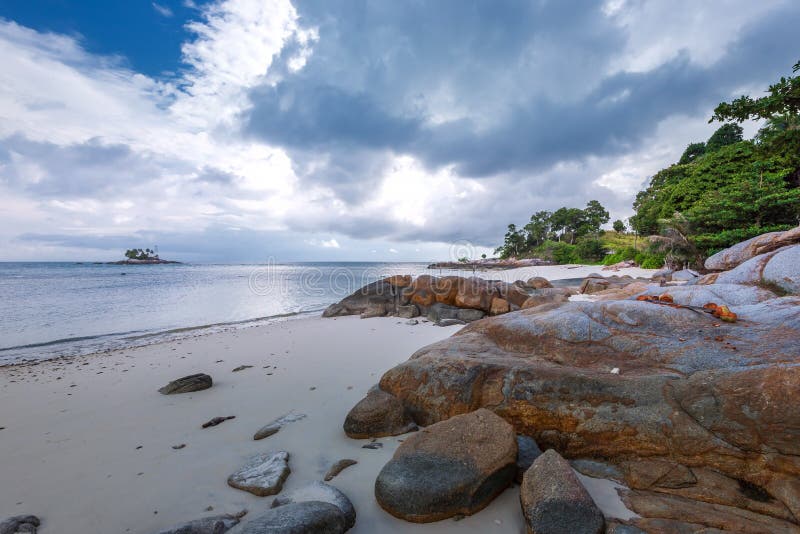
<point x="48" y="310"/>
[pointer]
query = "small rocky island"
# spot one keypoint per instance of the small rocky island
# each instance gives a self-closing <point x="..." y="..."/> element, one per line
<point x="138" y="256"/>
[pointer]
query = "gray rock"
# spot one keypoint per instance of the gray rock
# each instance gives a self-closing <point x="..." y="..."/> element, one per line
<point x="468" y="315"/>
<point x="375" y="308"/>
<point x="263" y="474"/>
<point x="381" y="295"/>
<point x="322" y="492"/>
<point x="455" y="467"/>
<point x="377" y="415"/>
<point x="783" y="270"/>
<point x="684" y="275"/>
<point x="309" y="517"/>
<point x="722" y="294"/>
<point x="439" y="312"/>
<point x="450" y="322"/>
<point x="217" y="524"/>
<point x="187" y="384"/>
<point x="528" y="451"/>
<point x="554" y="501"/>
<point x="598" y="469"/>
<point x="273" y="427"/>
<point x="666" y="274"/>
<point x="408" y="311"/>
<point x="739" y="253"/>
<point x="20" y="524"/>
<point x="338" y="467"/>
<point x="412" y="322"/>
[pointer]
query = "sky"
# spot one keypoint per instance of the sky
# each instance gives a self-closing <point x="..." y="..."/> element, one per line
<point x="311" y="130"/>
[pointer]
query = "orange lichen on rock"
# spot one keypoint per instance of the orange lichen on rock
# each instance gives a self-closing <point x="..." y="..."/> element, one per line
<point x="721" y="312"/>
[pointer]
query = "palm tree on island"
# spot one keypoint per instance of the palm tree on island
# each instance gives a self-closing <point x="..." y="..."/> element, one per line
<point x="138" y="256"/>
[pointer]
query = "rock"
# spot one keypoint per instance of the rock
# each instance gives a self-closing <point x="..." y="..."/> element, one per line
<point x="499" y="306"/>
<point x="734" y="256"/>
<point x="217" y="420"/>
<point x="691" y="390"/>
<point x="554" y="500"/>
<point x="665" y="273"/>
<point x="722" y="294"/>
<point x="597" y="469"/>
<point x="528" y="451"/>
<point x="593" y="285"/>
<point x="450" y="322"/>
<point x="273" y="427"/>
<point x="685" y="275"/>
<point x="537" y="282"/>
<point x="412" y="322"/>
<point x="217" y="524"/>
<point x="439" y="312"/>
<point x="263" y="474"/>
<point x="475" y="293"/>
<point x="618" y="293"/>
<point x="453" y="467"/>
<point x="515" y="293"/>
<point x="379" y="414"/>
<point x="338" y="467"/>
<point x="546" y="296"/>
<point x="375" y="308"/>
<point x="371" y="299"/>
<point x="407" y="312"/>
<point x="783" y="270"/>
<point x="375" y="445"/>
<point x="319" y="491"/>
<point x="309" y="517"/>
<point x="468" y="315"/>
<point x="187" y="384"/>
<point x="20" y="524"/>
<point x="242" y="368"/>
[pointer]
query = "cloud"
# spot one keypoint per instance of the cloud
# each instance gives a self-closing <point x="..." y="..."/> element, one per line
<point x="164" y="11"/>
<point x="380" y="126"/>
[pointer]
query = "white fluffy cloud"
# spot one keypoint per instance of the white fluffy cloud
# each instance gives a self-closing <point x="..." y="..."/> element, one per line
<point x="93" y="153"/>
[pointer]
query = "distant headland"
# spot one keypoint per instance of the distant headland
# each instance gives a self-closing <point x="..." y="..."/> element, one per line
<point x="137" y="256"/>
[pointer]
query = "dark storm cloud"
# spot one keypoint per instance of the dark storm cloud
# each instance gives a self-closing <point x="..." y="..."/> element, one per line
<point x="528" y="83"/>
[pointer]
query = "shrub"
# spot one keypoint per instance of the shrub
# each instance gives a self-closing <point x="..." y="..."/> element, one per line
<point x="589" y="250"/>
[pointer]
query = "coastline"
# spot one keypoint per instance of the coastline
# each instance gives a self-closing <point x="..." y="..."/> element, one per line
<point x="75" y="425"/>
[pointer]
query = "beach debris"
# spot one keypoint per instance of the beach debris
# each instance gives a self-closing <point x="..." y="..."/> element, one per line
<point x="374" y="445"/>
<point x="615" y="371"/>
<point x="273" y="427"/>
<point x="187" y="384"/>
<point x="241" y="368"/>
<point x="412" y="322"/>
<point x="377" y="415"/>
<point x="178" y="447"/>
<point x="217" y="524"/>
<point x="309" y="517"/>
<point x="554" y="500"/>
<point x="455" y="466"/>
<point x="217" y="420"/>
<point x="262" y="475"/>
<point x="322" y="492"/>
<point x="20" y="524"/>
<point x="338" y="467"/>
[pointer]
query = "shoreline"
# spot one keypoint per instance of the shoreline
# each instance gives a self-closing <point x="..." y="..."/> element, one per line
<point x="97" y="426"/>
<point x="122" y="340"/>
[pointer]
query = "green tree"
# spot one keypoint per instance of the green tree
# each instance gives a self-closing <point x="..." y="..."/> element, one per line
<point x="783" y="98"/>
<point x="692" y="152"/>
<point x="727" y="134"/>
<point x="619" y="226"/>
<point x="595" y="215"/>
<point x="513" y="244"/>
<point x="538" y="229"/>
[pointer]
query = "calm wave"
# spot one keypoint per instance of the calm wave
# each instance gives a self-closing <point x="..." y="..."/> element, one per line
<point x="60" y="309"/>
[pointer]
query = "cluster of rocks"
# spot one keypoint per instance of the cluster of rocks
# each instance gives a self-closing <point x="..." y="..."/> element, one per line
<point x="490" y="263"/>
<point x="447" y="300"/>
<point x="317" y="508"/>
<point x="692" y="416"/>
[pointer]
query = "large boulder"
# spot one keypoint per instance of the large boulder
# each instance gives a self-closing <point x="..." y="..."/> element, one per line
<point x="372" y="300"/>
<point x="779" y="269"/>
<point x="320" y="491"/>
<point x="187" y="384"/>
<point x="308" y="517"/>
<point x="455" y="467"/>
<point x="548" y="295"/>
<point x="538" y="282"/>
<point x="554" y="501"/>
<point x="379" y="414"/>
<point x="628" y="379"/>
<point x="741" y="252"/>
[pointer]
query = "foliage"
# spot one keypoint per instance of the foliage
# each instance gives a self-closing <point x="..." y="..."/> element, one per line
<point x="139" y="254"/>
<point x="676" y="243"/>
<point x="565" y="225"/>
<point x="619" y="226"/>
<point x="589" y="250"/>
<point x="727" y="189"/>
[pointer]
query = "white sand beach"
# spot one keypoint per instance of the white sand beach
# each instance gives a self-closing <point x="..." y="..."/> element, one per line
<point x="87" y="442"/>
